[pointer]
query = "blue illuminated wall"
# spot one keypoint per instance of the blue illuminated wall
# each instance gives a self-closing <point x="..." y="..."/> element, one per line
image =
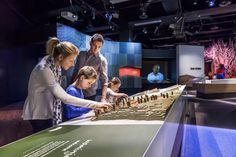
<point x="118" y="54"/>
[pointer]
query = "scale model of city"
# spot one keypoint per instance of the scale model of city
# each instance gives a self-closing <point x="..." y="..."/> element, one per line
<point x="148" y="105"/>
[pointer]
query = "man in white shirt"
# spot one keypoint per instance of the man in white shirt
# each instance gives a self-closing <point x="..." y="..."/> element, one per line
<point x="155" y="76"/>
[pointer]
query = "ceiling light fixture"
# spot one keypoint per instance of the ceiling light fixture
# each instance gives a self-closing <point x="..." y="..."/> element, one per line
<point x="108" y="16"/>
<point x="118" y="1"/>
<point x="145" y="30"/>
<point x="195" y="2"/>
<point x="143" y="15"/>
<point x="225" y="3"/>
<point x="211" y="3"/>
<point x="147" y="22"/>
<point x="112" y="28"/>
<point x="143" y="8"/>
<point x="69" y="16"/>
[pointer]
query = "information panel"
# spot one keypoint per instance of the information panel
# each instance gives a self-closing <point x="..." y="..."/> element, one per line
<point x="85" y="141"/>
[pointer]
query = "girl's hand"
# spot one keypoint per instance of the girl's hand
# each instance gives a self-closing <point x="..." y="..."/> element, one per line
<point x="125" y="95"/>
<point x="103" y="105"/>
<point x="103" y="100"/>
<point x="101" y="108"/>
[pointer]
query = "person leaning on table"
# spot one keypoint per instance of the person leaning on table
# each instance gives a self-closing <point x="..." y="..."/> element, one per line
<point x="94" y="58"/>
<point x="43" y="104"/>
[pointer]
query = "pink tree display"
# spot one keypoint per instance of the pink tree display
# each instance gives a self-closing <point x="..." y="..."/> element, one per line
<point x="222" y="53"/>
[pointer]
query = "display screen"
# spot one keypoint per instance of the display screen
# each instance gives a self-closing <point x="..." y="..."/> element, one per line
<point x="166" y="71"/>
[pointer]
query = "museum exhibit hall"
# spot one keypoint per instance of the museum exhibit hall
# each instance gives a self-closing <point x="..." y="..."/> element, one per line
<point x="118" y="78"/>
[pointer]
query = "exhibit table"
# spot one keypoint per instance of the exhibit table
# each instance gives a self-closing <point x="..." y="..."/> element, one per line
<point x="145" y="137"/>
<point x="113" y="140"/>
<point x="218" y="88"/>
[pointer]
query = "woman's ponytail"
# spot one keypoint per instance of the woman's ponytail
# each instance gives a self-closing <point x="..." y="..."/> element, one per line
<point x="51" y="44"/>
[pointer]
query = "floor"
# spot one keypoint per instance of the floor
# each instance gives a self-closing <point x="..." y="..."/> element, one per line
<point x="213" y="131"/>
<point x="12" y="126"/>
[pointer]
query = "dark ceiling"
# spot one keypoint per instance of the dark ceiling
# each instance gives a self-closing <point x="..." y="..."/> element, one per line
<point x="154" y="23"/>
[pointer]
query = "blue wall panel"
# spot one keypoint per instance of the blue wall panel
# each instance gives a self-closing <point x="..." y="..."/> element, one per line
<point x="118" y="54"/>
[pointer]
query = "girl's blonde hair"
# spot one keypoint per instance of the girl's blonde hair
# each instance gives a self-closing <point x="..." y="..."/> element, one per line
<point x="114" y="81"/>
<point x="88" y="72"/>
<point x="55" y="48"/>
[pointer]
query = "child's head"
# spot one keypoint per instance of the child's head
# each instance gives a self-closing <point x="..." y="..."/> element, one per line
<point x="114" y="84"/>
<point x="86" y="77"/>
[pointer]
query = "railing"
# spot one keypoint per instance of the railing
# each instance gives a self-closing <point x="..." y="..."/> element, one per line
<point x="167" y="141"/>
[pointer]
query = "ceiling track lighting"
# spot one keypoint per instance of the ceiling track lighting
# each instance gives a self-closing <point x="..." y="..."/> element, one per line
<point x="143" y="8"/>
<point x="143" y="15"/>
<point x="225" y="3"/>
<point x="211" y="3"/>
<point x="145" y="30"/>
<point x="195" y="2"/>
<point x="108" y="16"/>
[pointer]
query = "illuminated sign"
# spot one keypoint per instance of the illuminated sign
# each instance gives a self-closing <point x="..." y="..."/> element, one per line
<point x="129" y="71"/>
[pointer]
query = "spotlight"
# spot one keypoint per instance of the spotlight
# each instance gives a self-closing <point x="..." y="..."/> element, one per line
<point x="69" y="16"/>
<point x="143" y="15"/>
<point x="211" y="3"/>
<point x="145" y="30"/>
<point x="108" y="16"/>
<point x="225" y="3"/>
<point x="111" y="7"/>
<point x="195" y="2"/>
<point x="112" y="28"/>
<point x="172" y="26"/>
<point x="143" y="9"/>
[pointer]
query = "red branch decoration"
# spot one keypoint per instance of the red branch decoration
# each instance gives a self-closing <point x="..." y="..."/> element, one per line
<point x="222" y="53"/>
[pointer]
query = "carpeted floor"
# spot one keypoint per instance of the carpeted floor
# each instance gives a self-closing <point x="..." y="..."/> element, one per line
<point x="12" y="126"/>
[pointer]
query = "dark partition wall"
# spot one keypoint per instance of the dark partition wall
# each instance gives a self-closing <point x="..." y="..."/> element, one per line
<point x="16" y="65"/>
<point x="18" y="58"/>
<point x="118" y="54"/>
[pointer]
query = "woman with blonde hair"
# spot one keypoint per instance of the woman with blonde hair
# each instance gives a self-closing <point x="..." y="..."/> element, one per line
<point x="45" y="94"/>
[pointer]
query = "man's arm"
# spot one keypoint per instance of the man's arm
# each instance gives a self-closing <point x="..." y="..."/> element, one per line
<point x="75" y="71"/>
<point x="104" y="78"/>
<point x="150" y="78"/>
<point x="160" y="78"/>
<point x="104" y="91"/>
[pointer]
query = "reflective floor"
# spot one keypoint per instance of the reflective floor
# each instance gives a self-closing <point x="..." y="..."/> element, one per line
<point x="211" y="128"/>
